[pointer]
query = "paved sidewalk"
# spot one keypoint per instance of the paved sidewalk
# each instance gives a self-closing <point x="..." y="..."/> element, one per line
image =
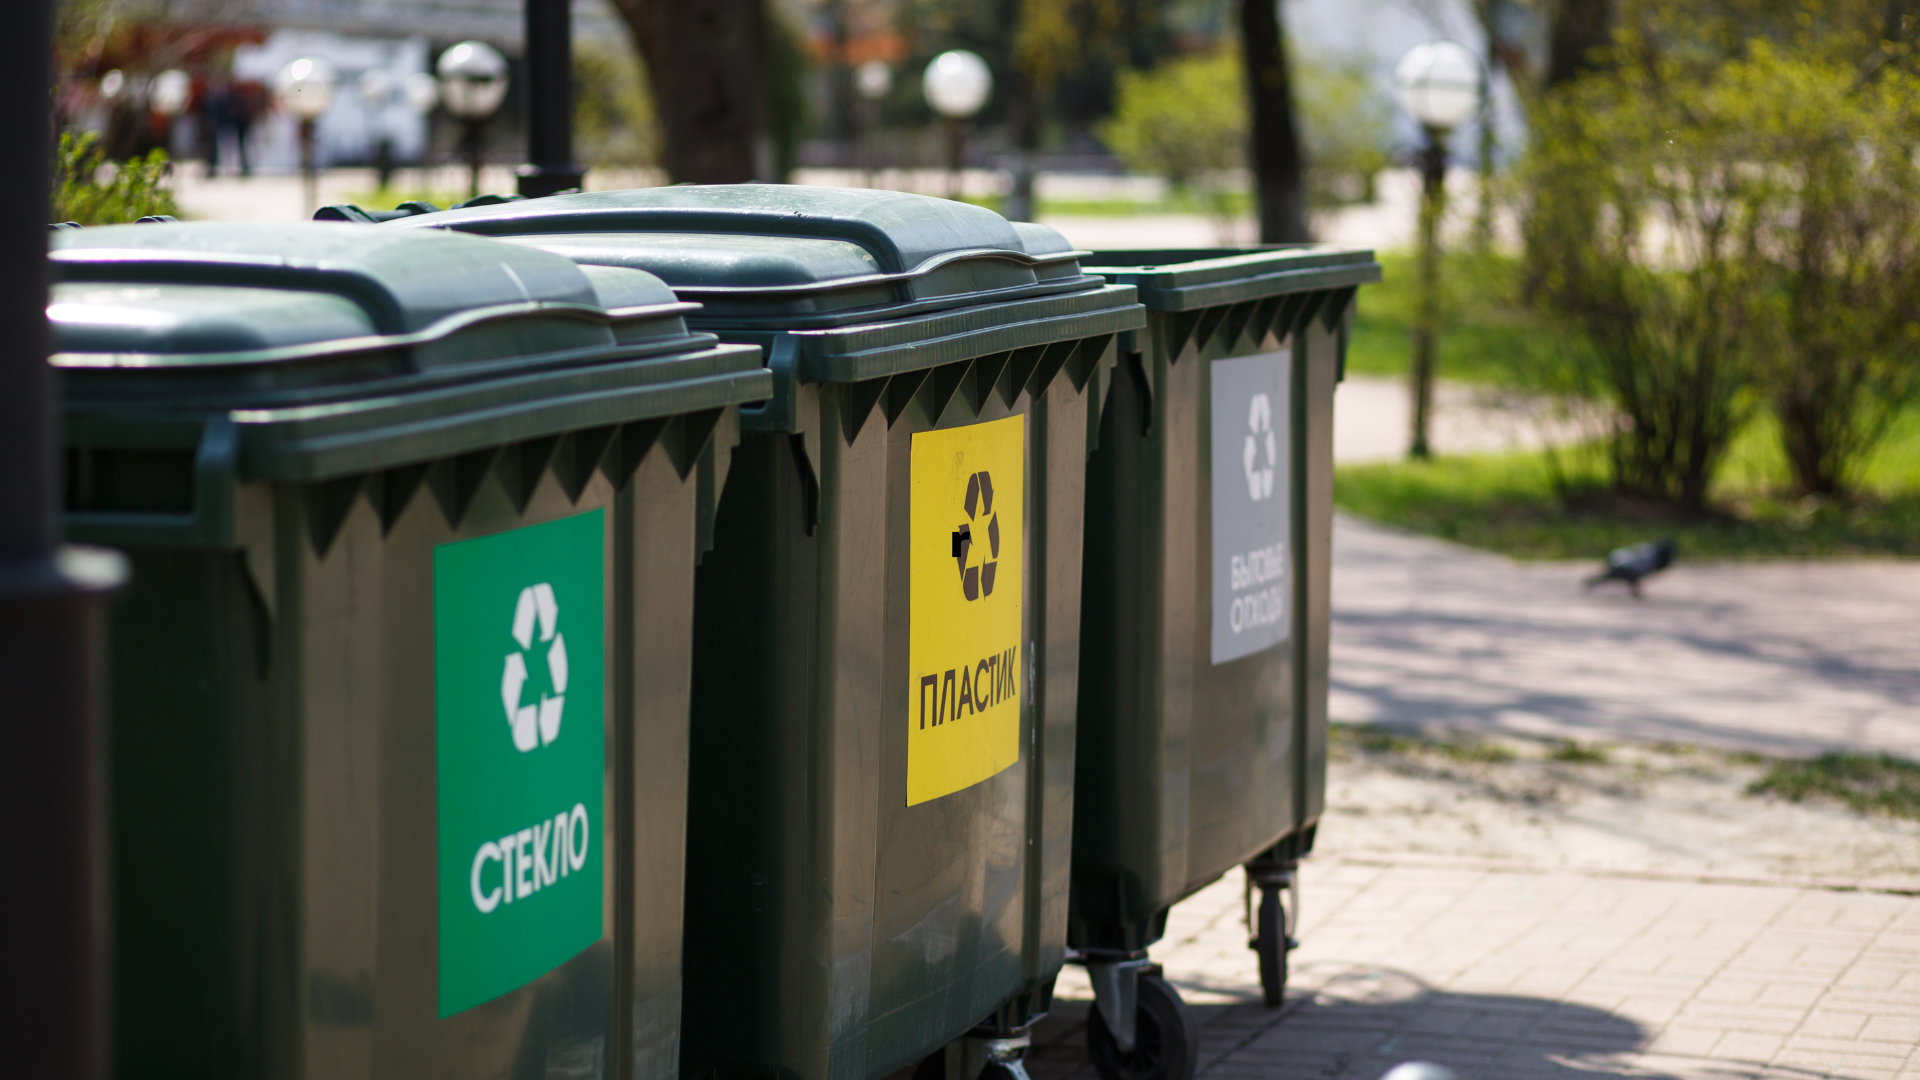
<point x="1373" y="420"/>
<point x="1502" y="972"/>
<point x="1775" y="657"/>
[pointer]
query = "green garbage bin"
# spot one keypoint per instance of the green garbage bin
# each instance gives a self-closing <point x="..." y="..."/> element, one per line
<point x="1203" y="653"/>
<point x="885" y="657"/>
<point x="400" y="690"/>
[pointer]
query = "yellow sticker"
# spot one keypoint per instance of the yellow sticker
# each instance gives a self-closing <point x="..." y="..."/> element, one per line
<point x="963" y="637"/>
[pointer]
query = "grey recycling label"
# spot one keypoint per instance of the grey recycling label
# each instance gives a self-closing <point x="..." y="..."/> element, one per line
<point x="1252" y="591"/>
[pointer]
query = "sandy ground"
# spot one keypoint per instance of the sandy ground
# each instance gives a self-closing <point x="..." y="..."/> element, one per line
<point x="1659" y="810"/>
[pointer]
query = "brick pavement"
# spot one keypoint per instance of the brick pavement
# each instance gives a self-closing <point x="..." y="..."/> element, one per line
<point x="1509" y="973"/>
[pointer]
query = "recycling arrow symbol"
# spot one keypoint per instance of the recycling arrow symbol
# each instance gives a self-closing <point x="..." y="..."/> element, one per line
<point x="536" y="723"/>
<point x="976" y="580"/>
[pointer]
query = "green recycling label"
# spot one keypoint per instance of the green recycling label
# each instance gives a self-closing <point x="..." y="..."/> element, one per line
<point x="519" y="719"/>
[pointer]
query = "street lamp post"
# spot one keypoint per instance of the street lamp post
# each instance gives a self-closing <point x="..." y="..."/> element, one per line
<point x="377" y="91"/>
<point x="473" y="83"/>
<point x="1440" y="85"/>
<point x="550" y="166"/>
<point x="957" y="85"/>
<point x="305" y="89"/>
<point x="53" y="996"/>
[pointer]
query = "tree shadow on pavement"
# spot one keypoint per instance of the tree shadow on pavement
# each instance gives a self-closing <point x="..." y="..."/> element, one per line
<point x="1356" y="1023"/>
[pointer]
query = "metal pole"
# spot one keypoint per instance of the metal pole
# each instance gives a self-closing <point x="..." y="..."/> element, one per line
<point x="52" y="927"/>
<point x="309" y="173"/>
<point x="551" y="167"/>
<point x="1426" y="327"/>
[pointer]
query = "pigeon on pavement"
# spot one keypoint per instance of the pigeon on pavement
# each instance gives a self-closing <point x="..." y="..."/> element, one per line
<point x="1635" y="563"/>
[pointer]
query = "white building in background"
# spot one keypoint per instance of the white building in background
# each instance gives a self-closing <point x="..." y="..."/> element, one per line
<point x="1380" y="32"/>
<point x="353" y="128"/>
<point x="401" y="37"/>
<point x="498" y="22"/>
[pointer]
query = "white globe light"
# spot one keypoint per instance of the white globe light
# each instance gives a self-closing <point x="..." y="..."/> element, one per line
<point x="376" y="87"/>
<point x="957" y="84"/>
<point x="1440" y="84"/>
<point x="305" y="87"/>
<point x="473" y="80"/>
<point x="421" y="92"/>
<point x="873" y="79"/>
<point x="170" y="92"/>
<point x="112" y="83"/>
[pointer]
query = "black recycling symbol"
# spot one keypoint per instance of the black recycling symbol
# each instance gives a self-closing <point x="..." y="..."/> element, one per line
<point x="977" y="581"/>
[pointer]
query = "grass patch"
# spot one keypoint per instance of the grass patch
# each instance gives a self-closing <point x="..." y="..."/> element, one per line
<point x="1573" y="753"/>
<point x="1510" y="503"/>
<point x="1179" y="202"/>
<point x="1486" y="335"/>
<point x="1866" y="783"/>
<point x="388" y="198"/>
<point x="1372" y="740"/>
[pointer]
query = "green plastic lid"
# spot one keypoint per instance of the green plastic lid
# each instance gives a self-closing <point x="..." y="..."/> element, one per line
<point x="334" y="349"/>
<point x="1188" y="279"/>
<point x="779" y="257"/>
<point x="839" y="285"/>
<point x="259" y="314"/>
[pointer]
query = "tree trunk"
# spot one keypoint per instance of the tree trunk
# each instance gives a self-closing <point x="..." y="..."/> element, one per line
<point x="1275" y="149"/>
<point x="1578" y="31"/>
<point x="706" y="61"/>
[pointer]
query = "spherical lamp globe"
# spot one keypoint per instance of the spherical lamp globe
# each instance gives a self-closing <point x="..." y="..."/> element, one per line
<point x="305" y="87"/>
<point x="420" y="91"/>
<point x="376" y="87"/>
<point x="957" y="84"/>
<point x="170" y="92"/>
<point x="874" y="79"/>
<point x="473" y="80"/>
<point x="1440" y="84"/>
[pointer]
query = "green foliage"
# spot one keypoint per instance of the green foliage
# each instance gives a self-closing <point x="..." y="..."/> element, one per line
<point x="1568" y="752"/>
<point x="1866" y="783"/>
<point x="1460" y="748"/>
<point x="613" y="118"/>
<point x="130" y="191"/>
<point x="1185" y="120"/>
<point x="1841" y="341"/>
<point x="1732" y="231"/>
<point x="1643" y="230"/>
<point x="1558" y="506"/>
<point x="1346" y="128"/>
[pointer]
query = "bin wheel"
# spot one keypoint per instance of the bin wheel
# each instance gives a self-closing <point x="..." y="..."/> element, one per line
<point x="1166" y="1046"/>
<point x="934" y="1067"/>
<point x="1270" y="941"/>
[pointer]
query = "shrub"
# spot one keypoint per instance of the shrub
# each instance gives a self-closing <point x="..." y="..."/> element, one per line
<point x="1346" y="126"/>
<point x="1185" y="120"/>
<point x="613" y="117"/>
<point x="1731" y="233"/>
<point x="135" y="188"/>
<point x="1642" y="227"/>
<point x="1840" y="349"/>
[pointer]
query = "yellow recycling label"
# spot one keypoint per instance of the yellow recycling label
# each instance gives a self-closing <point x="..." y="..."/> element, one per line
<point x="963" y="638"/>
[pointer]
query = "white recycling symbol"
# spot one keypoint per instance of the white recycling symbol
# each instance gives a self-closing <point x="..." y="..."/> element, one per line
<point x="1260" y="420"/>
<point x="539" y="723"/>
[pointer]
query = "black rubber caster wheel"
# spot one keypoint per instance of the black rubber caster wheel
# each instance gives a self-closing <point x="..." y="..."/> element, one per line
<point x="1165" y="1044"/>
<point x="1270" y="941"/>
